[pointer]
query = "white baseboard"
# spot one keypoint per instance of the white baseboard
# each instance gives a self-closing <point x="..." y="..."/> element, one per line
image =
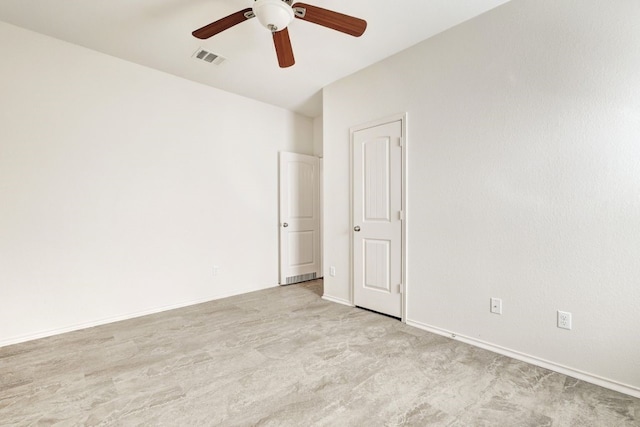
<point x="104" y="321"/>
<point x="337" y="300"/>
<point x="581" y="375"/>
<point x="565" y="370"/>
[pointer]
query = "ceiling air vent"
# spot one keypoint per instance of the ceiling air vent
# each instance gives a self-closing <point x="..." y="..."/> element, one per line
<point x="206" y="56"/>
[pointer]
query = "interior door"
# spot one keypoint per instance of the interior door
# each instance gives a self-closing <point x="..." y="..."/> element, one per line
<point x="299" y="218"/>
<point x="377" y="218"/>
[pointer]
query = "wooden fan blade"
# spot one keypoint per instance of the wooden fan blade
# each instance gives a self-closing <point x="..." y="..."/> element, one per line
<point x="283" y="48"/>
<point x="222" y="24"/>
<point x="328" y="18"/>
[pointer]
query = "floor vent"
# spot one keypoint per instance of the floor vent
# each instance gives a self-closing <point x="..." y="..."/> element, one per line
<point x="206" y="56"/>
<point x="301" y="278"/>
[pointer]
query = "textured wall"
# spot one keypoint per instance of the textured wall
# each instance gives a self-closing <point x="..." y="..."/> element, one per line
<point x="523" y="179"/>
<point x="121" y="187"/>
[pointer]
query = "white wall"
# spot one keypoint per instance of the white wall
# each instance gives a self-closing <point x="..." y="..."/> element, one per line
<point x="317" y="136"/>
<point x="121" y="187"/>
<point x="523" y="181"/>
<point x="317" y="151"/>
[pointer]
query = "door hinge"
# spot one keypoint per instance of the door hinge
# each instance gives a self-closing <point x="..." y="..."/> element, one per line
<point x="401" y="215"/>
<point x="401" y="142"/>
<point x="400" y="289"/>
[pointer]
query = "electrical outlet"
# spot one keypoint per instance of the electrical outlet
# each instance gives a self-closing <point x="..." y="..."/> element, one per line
<point x="332" y="271"/>
<point x="496" y="305"/>
<point x="215" y="270"/>
<point x="564" y="320"/>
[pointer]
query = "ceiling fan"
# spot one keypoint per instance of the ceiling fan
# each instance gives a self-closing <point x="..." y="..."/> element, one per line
<point x="276" y="15"/>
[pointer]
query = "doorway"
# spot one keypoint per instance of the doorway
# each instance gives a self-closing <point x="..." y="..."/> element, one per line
<point x="300" y="257"/>
<point x="378" y="216"/>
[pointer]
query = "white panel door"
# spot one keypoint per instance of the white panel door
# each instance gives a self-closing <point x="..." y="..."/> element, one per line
<point x="377" y="224"/>
<point x="299" y="218"/>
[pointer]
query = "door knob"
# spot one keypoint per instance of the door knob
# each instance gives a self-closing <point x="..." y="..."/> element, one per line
<point x="285" y="224"/>
<point x="356" y="228"/>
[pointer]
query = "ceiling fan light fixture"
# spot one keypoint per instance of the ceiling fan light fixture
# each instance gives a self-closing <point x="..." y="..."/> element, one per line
<point x="274" y="15"/>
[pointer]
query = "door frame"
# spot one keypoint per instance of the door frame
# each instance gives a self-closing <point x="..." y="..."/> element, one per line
<point x="402" y="117"/>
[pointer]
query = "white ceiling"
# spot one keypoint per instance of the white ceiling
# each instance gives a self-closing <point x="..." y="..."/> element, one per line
<point x="157" y="34"/>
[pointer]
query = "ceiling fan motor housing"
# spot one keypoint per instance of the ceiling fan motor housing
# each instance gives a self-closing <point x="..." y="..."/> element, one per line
<point x="273" y="14"/>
